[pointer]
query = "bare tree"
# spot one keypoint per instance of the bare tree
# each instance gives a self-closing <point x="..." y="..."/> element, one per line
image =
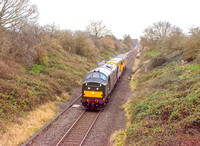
<point x="98" y="29"/>
<point x="162" y="35"/>
<point x="13" y="12"/>
<point x="159" y="30"/>
<point x="195" y="32"/>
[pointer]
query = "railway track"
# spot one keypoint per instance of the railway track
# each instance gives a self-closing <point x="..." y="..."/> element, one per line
<point x="78" y="132"/>
<point x="30" y="140"/>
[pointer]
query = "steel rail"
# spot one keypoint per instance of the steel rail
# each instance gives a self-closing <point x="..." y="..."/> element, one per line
<point x="70" y="128"/>
<point x="89" y="129"/>
<point x="29" y="141"/>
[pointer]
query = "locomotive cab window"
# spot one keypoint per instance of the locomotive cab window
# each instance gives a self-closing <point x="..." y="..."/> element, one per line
<point x="103" y="77"/>
<point x="95" y="75"/>
<point x="89" y="76"/>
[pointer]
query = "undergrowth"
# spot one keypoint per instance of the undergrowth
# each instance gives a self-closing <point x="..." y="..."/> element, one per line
<point x="165" y="109"/>
<point x="24" y="88"/>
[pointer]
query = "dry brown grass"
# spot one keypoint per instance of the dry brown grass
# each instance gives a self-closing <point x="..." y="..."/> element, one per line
<point x="17" y="133"/>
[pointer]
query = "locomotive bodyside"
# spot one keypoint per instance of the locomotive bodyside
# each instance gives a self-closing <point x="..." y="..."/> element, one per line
<point x="123" y="57"/>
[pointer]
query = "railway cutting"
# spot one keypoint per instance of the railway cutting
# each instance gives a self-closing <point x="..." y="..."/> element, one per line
<point x="76" y="126"/>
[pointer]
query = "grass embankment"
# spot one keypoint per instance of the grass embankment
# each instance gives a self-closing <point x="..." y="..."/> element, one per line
<point x="16" y="133"/>
<point x="24" y="90"/>
<point x="166" y="106"/>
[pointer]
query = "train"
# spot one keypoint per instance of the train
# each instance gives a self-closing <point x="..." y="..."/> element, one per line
<point x="100" y="82"/>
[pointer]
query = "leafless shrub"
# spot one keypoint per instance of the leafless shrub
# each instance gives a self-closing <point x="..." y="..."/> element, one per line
<point x="120" y="46"/>
<point x="25" y="42"/>
<point x="108" y="43"/>
<point x="161" y="35"/>
<point x="128" y="41"/>
<point x="175" y="40"/>
<point x="84" y="45"/>
<point x="158" y="61"/>
<point x="5" y="43"/>
<point x="192" y="50"/>
<point x="68" y="41"/>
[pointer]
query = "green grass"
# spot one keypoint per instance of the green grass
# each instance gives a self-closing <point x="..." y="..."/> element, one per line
<point x="154" y="52"/>
<point x="36" y="69"/>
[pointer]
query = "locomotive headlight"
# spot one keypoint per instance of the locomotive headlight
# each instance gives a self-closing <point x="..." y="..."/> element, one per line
<point x="100" y="85"/>
<point x="88" y="87"/>
<point x="97" y="88"/>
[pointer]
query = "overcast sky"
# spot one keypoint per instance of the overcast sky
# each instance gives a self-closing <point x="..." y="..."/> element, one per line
<point x="121" y="16"/>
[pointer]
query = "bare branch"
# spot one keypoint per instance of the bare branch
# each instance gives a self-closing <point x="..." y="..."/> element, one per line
<point x="98" y="29"/>
<point x="12" y="12"/>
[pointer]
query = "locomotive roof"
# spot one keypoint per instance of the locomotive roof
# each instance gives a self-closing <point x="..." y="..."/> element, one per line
<point x="116" y="60"/>
<point x="110" y="66"/>
<point x="106" y="69"/>
<point x="122" y="56"/>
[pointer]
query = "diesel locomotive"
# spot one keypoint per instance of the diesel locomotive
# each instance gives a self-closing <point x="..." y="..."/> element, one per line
<point x="99" y="83"/>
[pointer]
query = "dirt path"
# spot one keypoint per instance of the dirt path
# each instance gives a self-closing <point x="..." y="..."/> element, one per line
<point x="111" y="119"/>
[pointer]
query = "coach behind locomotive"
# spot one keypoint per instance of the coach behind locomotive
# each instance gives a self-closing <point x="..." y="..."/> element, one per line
<point x="99" y="83"/>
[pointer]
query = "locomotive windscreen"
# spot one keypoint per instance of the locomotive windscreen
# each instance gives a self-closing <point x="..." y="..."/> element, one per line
<point x="96" y="75"/>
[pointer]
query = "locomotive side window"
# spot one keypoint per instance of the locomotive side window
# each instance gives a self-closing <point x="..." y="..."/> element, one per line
<point x="103" y="77"/>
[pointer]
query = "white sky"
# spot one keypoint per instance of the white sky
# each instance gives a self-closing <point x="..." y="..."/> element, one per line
<point x="121" y="16"/>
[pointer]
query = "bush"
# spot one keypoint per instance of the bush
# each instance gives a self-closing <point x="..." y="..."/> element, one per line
<point x="157" y="61"/>
<point x="37" y="69"/>
<point x="43" y="57"/>
<point x="84" y="45"/>
<point x="191" y="49"/>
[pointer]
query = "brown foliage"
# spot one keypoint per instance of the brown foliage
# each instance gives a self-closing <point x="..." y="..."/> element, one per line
<point x="128" y="41"/>
<point x="5" y="43"/>
<point x="108" y="42"/>
<point x="192" y="48"/>
<point x="84" y="45"/>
